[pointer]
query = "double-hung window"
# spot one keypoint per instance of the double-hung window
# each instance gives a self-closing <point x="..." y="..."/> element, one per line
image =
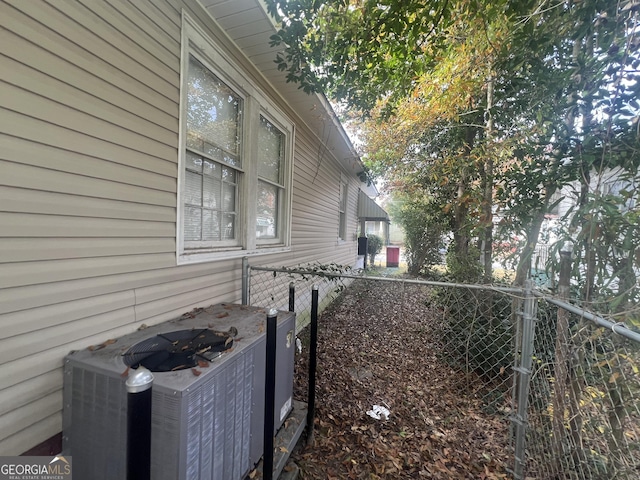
<point x="271" y="153"/>
<point x="342" y="208"/>
<point x="235" y="168"/>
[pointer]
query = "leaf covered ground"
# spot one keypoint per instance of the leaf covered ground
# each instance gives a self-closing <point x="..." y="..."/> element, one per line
<point x="376" y="346"/>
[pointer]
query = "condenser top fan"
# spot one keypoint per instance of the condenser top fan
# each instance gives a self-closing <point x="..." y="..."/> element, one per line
<point x="178" y="350"/>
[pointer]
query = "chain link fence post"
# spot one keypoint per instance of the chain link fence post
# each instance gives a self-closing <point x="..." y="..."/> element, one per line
<point x="245" y="280"/>
<point x="524" y="371"/>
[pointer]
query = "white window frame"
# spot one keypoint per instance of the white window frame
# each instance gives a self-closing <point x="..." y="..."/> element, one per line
<point x="343" y="203"/>
<point x="196" y="43"/>
<point x="284" y="200"/>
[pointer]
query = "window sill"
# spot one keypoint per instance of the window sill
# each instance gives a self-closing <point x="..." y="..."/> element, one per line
<point x="187" y="258"/>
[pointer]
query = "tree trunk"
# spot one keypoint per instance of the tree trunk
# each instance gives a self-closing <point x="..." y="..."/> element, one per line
<point x="460" y="224"/>
<point x="487" y="207"/>
<point x="524" y="265"/>
<point x="561" y="369"/>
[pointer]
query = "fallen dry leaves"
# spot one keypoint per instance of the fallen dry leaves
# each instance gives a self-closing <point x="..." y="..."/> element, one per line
<point x="376" y="346"/>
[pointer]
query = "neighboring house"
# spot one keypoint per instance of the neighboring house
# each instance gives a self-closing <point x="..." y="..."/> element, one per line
<point x="146" y="147"/>
<point x="373" y="219"/>
<point x="610" y="182"/>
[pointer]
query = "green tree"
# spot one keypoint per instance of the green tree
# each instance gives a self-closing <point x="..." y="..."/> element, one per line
<point x="424" y="228"/>
<point x="359" y="51"/>
<point x="545" y="66"/>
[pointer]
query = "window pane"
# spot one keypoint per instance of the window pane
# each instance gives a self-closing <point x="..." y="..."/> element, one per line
<point x="228" y="226"/>
<point x="229" y="198"/>
<point x="211" y="195"/>
<point x="270" y="151"/>
<point x="210" y="200"/>
<point x="211" y="225"/>
<point x="267" y="219"/>
<point x="193" y="189"/>
<point x="192" y="223"/>
<point x="211" y="168"/>
<point x="194" y="162"/>
<point x="213" y="113"/>
<point x="229" y="175"/>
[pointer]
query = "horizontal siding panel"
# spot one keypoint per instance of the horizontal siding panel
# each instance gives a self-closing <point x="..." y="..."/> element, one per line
<point x="23" y="439"/>
<point x="326" y="192"/>
<point x="36" y="178"/>
<point x="322" y="253"/>
<point x="50" y="41"/>
<point x="30" y="273"/>
<point x="175" y="305"/>
<point x="40" y="318"/>
<point x="169" y="9"/>
<point x="33" y="343"/>
<point x="45" y="87"/>
<point x="54" y="67"/>
<point x="20" y="298"/>
<point x="23" y="369"/>
<point x="165" y="290"/>
<point x="51" y="112"/>
<point x="150" y="16"/>
<point x="37" y="154"/>
<point x="131" y="32"/>
<point x="39" y="131"/>
<point x="33" y="249"/>
<point x="306" y="196"/>
<point x="15" y="199"/>
<point x="30" y="413"/>
<point x="315" y="218"/>
<point x="325" y="257"/>
<point x="166" y="315"/>
<point x="80" y="36"/>
<point x="29" y="391"/>
<point x="32" y="225"/>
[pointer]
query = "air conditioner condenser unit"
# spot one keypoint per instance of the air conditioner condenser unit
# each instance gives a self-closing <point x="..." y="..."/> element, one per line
<point x="207" y="402"/>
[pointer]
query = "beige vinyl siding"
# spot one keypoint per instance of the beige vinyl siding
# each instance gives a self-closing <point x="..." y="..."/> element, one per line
<point x="38" y="178"/>
<point x="52" y="203"/>
<point x="49" y="33"/>
<point x="82" y="77"/>
<point x="31" y="249"/>
<point x="88" y="185"/>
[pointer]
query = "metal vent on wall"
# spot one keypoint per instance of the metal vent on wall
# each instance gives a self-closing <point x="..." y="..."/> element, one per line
<point x="207" y="416"/>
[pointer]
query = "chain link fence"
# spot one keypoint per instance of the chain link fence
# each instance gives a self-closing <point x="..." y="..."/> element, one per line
<point x="565" y="382"/>
<point x="584" y="402"/>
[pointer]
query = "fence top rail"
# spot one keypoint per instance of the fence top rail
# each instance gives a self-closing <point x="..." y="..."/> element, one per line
<point x="618" y="328"/>
<point x="302" y="271"/>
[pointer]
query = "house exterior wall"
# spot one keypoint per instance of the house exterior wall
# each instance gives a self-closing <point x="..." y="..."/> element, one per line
<point x="89" y="143"/>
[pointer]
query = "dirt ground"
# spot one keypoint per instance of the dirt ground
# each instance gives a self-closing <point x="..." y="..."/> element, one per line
<point x="371" y="353"/>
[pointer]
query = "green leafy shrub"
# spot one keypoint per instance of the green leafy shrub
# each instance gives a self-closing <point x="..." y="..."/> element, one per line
<point x="423" y="233"/>
<point x="374" y="247"/>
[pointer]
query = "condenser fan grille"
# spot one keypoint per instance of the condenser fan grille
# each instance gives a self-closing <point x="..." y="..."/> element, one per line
<point x="177" y="350"/>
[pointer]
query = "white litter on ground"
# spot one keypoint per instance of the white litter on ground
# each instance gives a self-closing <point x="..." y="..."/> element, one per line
<point x="379" y="413"/>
